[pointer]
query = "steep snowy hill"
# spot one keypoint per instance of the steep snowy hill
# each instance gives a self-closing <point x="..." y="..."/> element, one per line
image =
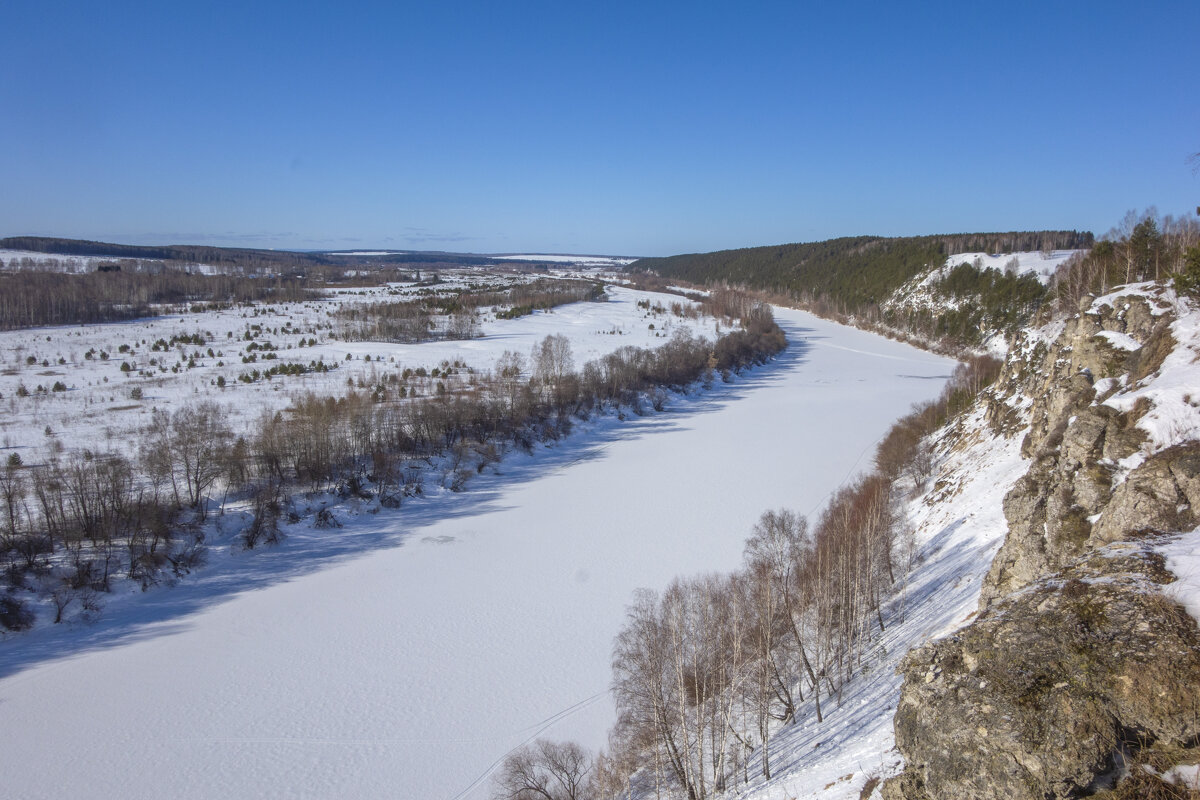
<point x="1141" y="346"/>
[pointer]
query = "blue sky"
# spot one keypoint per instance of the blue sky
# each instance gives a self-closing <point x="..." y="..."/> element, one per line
<point x="617" y="128"/>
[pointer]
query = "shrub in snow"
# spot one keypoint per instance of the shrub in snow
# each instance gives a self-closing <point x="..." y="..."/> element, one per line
<point x="14" y="615"/>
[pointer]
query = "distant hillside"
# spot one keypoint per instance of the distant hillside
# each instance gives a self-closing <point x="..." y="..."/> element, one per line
<point x="196" y="254"/>
<point x="852" y="271"/>
<point x="230" y="256"/>
<point x="871" y="278"/>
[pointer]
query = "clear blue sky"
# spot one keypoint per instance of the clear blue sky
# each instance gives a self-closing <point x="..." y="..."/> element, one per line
<point x="623" y="128"/>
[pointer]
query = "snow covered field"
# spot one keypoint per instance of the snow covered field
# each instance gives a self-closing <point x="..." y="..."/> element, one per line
<point x="579" y="261"/>
<point x="404" y="654"/>
<point x="103" y="404"/>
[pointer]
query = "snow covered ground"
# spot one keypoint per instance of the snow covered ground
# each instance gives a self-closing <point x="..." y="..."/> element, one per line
<point x="922" y="292"/>
<point x="98" y="409"/>
<point x="579" y="261"/>
<point x="1173" y="391"/>
<point x="404" y="654"/>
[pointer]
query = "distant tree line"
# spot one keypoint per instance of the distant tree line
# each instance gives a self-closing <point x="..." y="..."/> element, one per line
<point x="707" y="671"/>
<point x="31" y="299"/>
<point x="70" y="526"/>
<point x="236" y="257"/>
<point x="184" y="254"/>
<point x="414" y="320"/>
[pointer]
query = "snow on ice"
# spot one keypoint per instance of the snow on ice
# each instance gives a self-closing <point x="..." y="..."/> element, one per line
<point x="404" y="654"/>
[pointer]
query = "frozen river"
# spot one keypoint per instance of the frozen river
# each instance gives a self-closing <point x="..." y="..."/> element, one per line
<point x="406" y="663"/>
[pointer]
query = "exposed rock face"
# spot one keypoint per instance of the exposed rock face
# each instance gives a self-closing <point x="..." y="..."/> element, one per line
<point x="1060" y="377"/>
<point x="1040" y="695"/>
<point x="1076" y="444"/>
<point x="1049" y="509"/>
<point x="1155" y="497"/>
<point x="1076" y="656"/>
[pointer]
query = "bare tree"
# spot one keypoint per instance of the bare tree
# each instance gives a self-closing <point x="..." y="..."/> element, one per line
<point x="552" y="363"/>
<point x="463" y="324"/>
<point x="545" y="770"/>
<point x="510" y="380"/>
<point x="12" y="498"/>
<point x="189" y="450"/>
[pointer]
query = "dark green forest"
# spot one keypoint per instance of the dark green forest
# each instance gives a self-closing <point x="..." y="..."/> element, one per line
<point x="850" y="272"/>
<point x="975" y="302"/>
<point x="854" y="276"/>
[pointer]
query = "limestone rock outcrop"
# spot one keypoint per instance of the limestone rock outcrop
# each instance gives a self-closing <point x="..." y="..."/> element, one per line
<point x="1077" y="657"/>
<point x="1066" y="502"/>
<point x="1043" y="694"/>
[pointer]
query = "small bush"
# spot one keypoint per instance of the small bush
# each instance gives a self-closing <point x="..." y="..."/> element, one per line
<point x="326" y="519"/>
<point x="14" y="615"/>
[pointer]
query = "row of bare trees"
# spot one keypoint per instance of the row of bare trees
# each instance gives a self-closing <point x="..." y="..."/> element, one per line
<point x="704" y="671"/>
<point x="29" y="299"/>
<point x="708" y="670"/>
<point x="69" y="525"/>
<point x="439" y="317"/>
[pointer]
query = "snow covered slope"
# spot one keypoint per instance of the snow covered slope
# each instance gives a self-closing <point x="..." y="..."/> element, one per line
<point x="960" y="525"/>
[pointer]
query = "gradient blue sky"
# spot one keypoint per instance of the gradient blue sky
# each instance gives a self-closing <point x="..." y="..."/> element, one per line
<point x="621" y="128"/>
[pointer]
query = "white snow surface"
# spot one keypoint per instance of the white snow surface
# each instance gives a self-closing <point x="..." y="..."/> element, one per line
<point x="593" y="261"/>
<point x="1174" y="389"/>
<point x="367" y="252"/>
<point x="404" y="654"/>
<point x="1184" y="775"/>
<point x="1183" y="560"/>
<point x="1121" y="341"/>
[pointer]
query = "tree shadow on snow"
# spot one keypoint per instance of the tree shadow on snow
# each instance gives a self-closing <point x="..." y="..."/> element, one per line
<point x="160" y="611"/>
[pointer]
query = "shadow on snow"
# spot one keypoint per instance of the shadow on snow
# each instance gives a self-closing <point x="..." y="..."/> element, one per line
<point x="163" y="611"/>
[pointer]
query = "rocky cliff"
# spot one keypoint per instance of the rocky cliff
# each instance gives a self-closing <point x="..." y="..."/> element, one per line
<point x="1079" y="660"/>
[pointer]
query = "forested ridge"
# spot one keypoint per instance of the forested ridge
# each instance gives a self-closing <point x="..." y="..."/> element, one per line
<point x="196" y="254"/>
<point x="850" y="272"/>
